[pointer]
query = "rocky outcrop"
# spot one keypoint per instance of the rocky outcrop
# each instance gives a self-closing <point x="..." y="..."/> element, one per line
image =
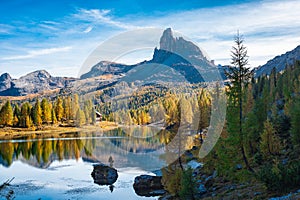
<point x="179" y="45"/>
<point x="104" y="175"/>
<point x="5" y="81"/>
<point x="146" y="185"/>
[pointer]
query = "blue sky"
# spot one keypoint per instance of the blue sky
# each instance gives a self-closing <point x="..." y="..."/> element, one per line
<point x="59" y="35"/>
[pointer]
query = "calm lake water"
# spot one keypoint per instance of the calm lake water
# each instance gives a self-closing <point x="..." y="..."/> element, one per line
<point x="60" y="168"/>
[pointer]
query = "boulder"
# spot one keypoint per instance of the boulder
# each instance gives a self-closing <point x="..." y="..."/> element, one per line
<point x="202" y="189"/>
<point x="104" y="175"/>
<point x="146" y="185"/>
<point x="194" y="164"/>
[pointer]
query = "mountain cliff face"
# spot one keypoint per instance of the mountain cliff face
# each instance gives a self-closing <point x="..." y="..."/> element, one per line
<point x="31" y="83"/>
<point x="5" y="81"/>
<point x="177" y="53"/>
<point x="179" y="45"/>
<point x="279" y="62"/>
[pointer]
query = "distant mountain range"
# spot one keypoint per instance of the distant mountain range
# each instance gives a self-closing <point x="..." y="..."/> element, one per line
<point x="279" y="62"/>
<point x="35" y="82"/>
<point x="182" y="57"/>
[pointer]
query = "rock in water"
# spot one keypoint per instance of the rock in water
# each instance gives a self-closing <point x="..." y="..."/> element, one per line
<point x="146" y="185"/>
<point x="104" y="175"/>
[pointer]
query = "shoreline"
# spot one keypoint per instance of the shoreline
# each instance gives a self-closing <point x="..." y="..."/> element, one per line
<point x="8" y="133"/>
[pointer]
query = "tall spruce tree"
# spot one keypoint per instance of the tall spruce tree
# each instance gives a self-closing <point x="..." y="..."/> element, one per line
<point x="240" y="76"/>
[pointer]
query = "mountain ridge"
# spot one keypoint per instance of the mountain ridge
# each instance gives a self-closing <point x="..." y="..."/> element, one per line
<point x="178" y="54"/>
<point x="31" y="83"/>
<point x="280" y="62"/>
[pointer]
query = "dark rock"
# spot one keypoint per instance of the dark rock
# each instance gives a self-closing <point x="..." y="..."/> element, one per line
<point x="239" y="167"/>
<point x="104" y="175"/>
<point x="146" y="185"/>
<point x="202" y="189"/>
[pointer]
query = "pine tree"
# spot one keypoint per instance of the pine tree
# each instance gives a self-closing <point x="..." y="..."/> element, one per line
<point x="240" y="76"/>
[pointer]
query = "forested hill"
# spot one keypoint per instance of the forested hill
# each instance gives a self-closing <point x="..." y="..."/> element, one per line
<point x="270" y="133"/>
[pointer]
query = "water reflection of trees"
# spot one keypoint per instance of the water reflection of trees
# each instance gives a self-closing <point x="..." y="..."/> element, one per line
<point x="39" y="152"/>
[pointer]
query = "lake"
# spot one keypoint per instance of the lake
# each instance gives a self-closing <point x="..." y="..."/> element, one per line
<point x="60" y="167"/>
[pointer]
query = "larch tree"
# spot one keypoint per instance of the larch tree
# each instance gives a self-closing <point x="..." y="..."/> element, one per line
<point x="46" y="111"/>
<point x="25" y="116"/>
<point x="59" y="110"/>
<point x="37" y="113"/>
<point x="6" y="114"/>
<point x="240" y="76"/>
<point x="270" y="142"/>
<point x="17" y="113"/>
<point x="53" y="116"/>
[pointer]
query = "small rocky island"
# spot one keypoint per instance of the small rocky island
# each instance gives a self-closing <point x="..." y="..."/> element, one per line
<point x="104" y="175"/>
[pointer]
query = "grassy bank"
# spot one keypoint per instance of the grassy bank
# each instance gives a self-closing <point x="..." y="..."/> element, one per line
<point x="52" y="130"/>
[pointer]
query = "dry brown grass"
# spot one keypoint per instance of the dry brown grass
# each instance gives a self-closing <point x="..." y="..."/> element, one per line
<point x="52" y="130"/>
<point x="29" y="96"/>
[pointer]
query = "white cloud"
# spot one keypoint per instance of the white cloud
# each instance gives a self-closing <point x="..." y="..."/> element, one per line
<point x="40" y="52"/>
<point x="271" y="24"/>
<point x="88" y="29"/>
<point x="100" y="17"/>
<point x="270" y="28"/>
<point x="5" y="29"/>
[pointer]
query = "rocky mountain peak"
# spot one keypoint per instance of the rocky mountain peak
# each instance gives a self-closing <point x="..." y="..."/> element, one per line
<point x="5" y="81"/>
<point x="167" y="41"/>
<point x="40" y="74"/>
<point x="5" y="77"/>
<point x="179" y="45"/>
